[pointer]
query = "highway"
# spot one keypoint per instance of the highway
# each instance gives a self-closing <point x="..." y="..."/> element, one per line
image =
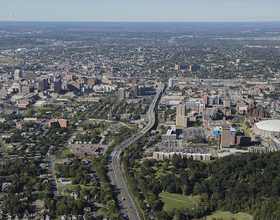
<point x="127" y="205"/>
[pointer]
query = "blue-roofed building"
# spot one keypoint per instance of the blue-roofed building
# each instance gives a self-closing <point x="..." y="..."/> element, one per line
<point x="218" y="131"/>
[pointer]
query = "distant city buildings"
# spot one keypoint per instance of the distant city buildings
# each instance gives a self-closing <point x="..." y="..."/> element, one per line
<point x="171" y="82"/>
<point x="181" y="118"/>
<point x="57" y="86"/>
<point x="29" y="75"/>
<point x="42" y="85"/>
<point x="121" y="94"/>
<point x="18" y="74"/>
<point x="194" y="68"/>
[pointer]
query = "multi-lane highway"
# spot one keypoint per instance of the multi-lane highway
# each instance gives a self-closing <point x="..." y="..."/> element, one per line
<point x="126" y="203"/>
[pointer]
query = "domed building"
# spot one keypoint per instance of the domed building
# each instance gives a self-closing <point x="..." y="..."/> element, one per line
<point x="267" y="129"/>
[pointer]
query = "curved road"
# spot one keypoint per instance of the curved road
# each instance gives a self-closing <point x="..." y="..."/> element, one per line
<point x="127" y="205"/>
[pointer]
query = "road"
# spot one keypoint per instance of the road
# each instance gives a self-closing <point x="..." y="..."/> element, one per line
<point x="127" y="205"/>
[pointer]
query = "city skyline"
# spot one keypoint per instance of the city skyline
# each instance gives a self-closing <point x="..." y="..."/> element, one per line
<point x="144" y="11"/>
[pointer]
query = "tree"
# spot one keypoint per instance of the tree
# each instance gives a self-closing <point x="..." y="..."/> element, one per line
<point x="248" y="124"/>
<point x="77" y="188"/>
<point x="62" y="209"/>
<point x="237" y="146"/>
<point x="38" y="186"/>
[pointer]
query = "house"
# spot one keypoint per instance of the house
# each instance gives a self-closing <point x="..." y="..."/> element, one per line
<point x="87" y="209"/>
<point x="65" y="191"/>
<point x="42" y="165"/>
<point x="63" y="181"/>
<point x="43" y="176"/>
<point x="5" y="186"/>
<point x="75" y="195"/>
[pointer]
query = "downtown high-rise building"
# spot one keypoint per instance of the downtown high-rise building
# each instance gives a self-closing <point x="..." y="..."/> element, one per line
<point x="29" y="75"/>
<point x="181" y="118"/>
<point x="121" y="94"/>
<point x="42" y="85"/>
<point x="57" y="86"/>
<point x="17" y="74"/>
<point x="225" y="137"/>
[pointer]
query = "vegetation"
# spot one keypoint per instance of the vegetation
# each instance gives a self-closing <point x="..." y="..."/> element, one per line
<point x="242" y="183"/>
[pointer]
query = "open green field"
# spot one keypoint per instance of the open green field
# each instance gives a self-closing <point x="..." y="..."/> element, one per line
<point x="5" y="149"/>
<point x="196" y="199"/>
<point x="88" y="121"/>
<point x="64" y="152"/>
<point x="176" y="200"/>
<point x="6" y="60"/>
<point x="228" y="216"/>
<point x="67" y="186"/>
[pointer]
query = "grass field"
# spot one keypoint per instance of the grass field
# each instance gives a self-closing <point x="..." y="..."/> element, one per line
<point x="196" y="199"/>
<point x="228" y="216"/>
<point x="176" y="200"/>
<point x="64" y="152"/>
<point x="67" y="186"/>
<point x="5" y="149"/>
<point x="6" y="60"/>
<point x="88" y="121"/>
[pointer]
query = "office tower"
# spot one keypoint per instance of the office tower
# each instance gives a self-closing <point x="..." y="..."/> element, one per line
<point x="142" y="90"/>
<point x="181" y="110"/>
<point x="20" y="89"/>
<point x="180" y="67"/>
<point x="206" y="99"/>
<point x="42" y="85"/>
<point x="225" y="137"/>
<point x="194" y="68"/>
<point x="74" y="86"/>
<point x="135" y="89"/>
<point x="17" y="74"/>
<point x="181" y="118"/>
<point x="3" y="92"/>
<point x="68" y="75"/>
<point x="171" y="82"/>
<point x="133" y="81"/>
<point x="25" y="89"/>
<point x="121" y="94"/>
<point x="227" y="103"/>
<point x="30" y="75"/>
<point x="57" y="86"/>
<point x="50" y="80"/>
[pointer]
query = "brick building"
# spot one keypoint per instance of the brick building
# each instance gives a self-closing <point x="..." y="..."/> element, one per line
<point x="61" y="122"/>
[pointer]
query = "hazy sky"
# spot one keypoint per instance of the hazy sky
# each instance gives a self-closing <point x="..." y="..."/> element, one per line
<point x="140" y="10"/>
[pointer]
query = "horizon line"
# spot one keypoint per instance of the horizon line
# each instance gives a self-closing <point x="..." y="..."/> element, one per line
<point x="149" y="21"/>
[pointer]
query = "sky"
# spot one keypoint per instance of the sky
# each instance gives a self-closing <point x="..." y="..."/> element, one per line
<point x="140" y="10"/>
